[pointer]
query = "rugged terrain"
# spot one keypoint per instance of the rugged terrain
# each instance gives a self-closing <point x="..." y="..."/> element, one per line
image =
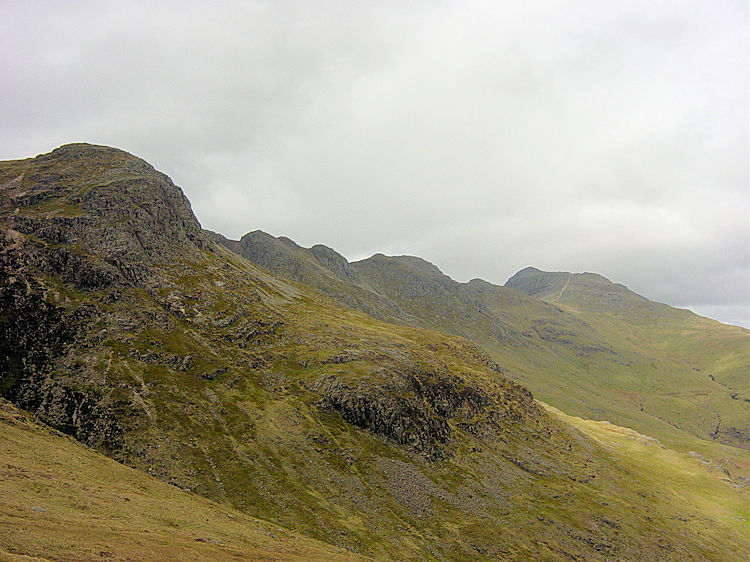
<point x="127" y="326"/>
<point x="580" y="342"/>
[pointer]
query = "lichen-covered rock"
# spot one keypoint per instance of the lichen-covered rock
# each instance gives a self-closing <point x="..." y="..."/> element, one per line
<point x="33" y="334"/>
<point x="407" y="420"/>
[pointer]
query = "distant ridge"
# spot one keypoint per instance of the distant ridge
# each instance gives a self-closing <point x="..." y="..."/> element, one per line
<point x="589" y="291"/>
<point x="578" y="340"/>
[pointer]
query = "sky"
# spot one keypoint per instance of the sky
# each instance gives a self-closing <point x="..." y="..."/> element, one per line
<point x="574" y="135"/>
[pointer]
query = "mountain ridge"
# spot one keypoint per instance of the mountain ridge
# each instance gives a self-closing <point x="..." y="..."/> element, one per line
<point x="125" y="325"/>
<point x="575" y="313"/>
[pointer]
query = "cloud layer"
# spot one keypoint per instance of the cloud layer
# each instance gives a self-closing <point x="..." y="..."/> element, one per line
<point x="483" y="136"/>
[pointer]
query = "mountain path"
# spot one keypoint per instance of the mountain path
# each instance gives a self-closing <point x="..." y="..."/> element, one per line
<point x="567" y="282"/>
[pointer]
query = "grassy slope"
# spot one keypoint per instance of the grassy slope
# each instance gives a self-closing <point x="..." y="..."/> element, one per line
<point x="648" y="370"/>
<point x="62" y="501"/>
<point x="720" y="351"/>
<point x="684" y="376"/>
<point x="714" y="499"/>
<point x="216" y="372"/>
<point x="95" y="507"/>
<point x="258" y="440"/>
<point x="600" y="352"/>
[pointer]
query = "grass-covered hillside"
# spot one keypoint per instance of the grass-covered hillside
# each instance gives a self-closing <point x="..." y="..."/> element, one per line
<point x="684" y="370"/>
<point x="128" y="327"/>
<point x="62" y="501"/>
<point x="579" y="342"/>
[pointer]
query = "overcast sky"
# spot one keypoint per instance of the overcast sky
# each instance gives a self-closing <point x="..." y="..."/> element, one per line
<point x="576" y="135"/>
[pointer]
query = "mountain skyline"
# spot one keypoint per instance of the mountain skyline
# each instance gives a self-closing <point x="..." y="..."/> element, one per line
<point x="466" y="279"/>
<point x="485" y="137"/>
<point x="579" y="342"/>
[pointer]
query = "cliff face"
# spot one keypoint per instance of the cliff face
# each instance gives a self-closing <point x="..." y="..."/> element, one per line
<point x="82" y="221"/>
<point x="102" y="203"/>
<point x="126" y="325"/>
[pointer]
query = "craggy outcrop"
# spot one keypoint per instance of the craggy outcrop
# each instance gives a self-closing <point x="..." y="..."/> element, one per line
<point x="106" y="203"/>
<point x="125" y="325"/>
<point x="33" y="334"/>
<point x="422" y="410"/>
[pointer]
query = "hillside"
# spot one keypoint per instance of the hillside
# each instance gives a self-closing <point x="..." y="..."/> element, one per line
<point x="699" y="375"/>
<point x="128" y="327"/>
<point x="721" y="352"/>
<point x="600" y="352"/>
<point x="320" y="267"/>
<point x="62" y="501"/>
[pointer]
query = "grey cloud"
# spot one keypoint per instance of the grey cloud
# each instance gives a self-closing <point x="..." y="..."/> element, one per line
<point x="484" y="136"/>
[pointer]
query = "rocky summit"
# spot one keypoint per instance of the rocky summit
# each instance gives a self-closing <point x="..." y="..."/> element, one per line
<point x="377" y="406"/>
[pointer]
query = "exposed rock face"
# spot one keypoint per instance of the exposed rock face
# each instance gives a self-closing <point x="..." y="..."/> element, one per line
<point x="95" y="219"/>
<point x="33" y="334"/>
<point x="735" y="436"/>
<point x="123" y="324"/>
<point x="334" y="262"/>
<point x="269" y="252"/>
<point x="405" y="419"/>
<point x="104" y="202"/>
<point x="422" y="410"/>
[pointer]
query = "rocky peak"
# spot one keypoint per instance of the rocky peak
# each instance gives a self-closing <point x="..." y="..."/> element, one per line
<point x="87" y="199"/>
<point x="536" y="282"/>
<point x="283" y="255"/>
<point x="530" y="270"/>
<point x="255" y="236"/>
<point x="334" y="262"/>
<point x="408" y="275"/>
<point x="583" y="291"/>
<point x="285" y="240"/>
<point x="480" y="285"/>
<point x="268" y="251"/>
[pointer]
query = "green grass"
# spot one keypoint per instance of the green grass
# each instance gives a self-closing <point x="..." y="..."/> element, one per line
<point x="581" y="343"/>
<point x="715" y="500"/>
<point x="598" y="351"/>
<point x="61" y="501"/>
